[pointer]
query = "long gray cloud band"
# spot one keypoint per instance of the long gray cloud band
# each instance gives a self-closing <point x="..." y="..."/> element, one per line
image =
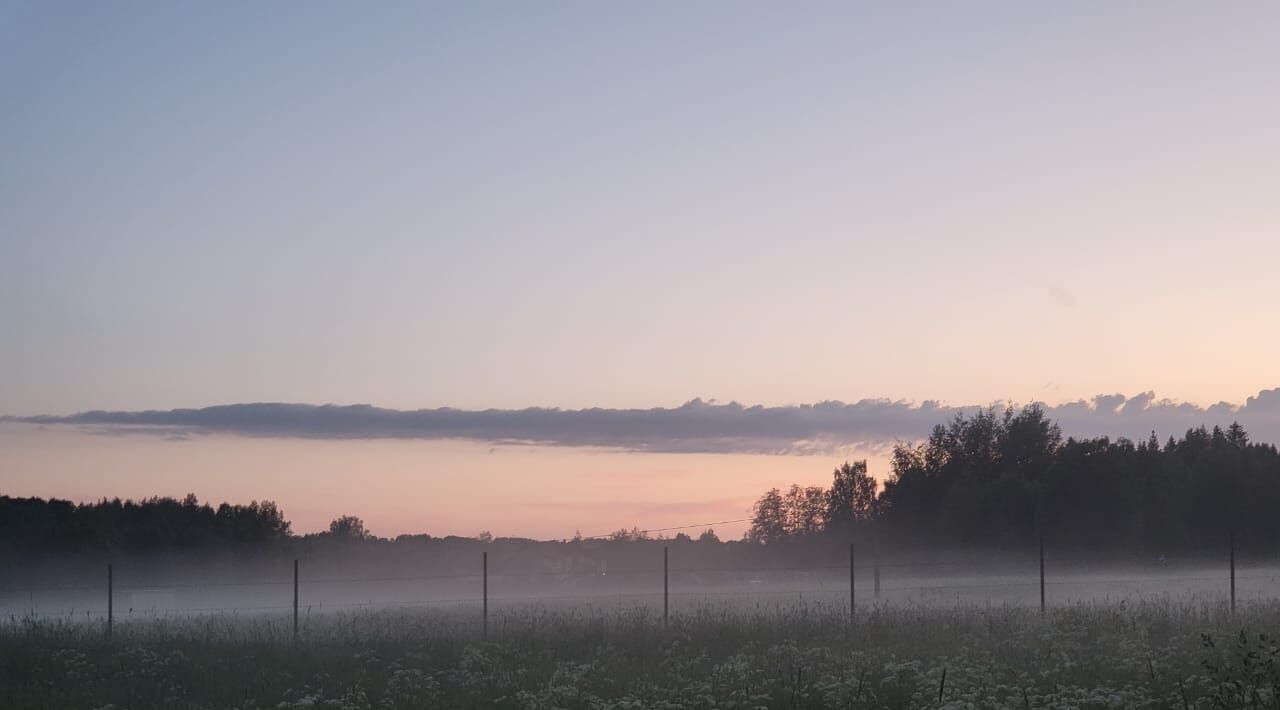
<point x="694" y="427"/>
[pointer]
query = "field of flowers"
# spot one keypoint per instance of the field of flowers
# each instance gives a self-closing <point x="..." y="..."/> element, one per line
<point x="1152" y="654"/>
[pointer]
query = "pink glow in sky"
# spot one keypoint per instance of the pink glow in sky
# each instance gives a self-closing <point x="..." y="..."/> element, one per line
<point x="399" y="487"/>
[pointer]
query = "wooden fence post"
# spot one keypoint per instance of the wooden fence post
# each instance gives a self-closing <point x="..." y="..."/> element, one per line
<point x="110" y="601"/>
<point x="666" y="584"/>
<point x="484" y="572"/>
<point x="875" y="552"/>
<point x="295" y="597"/>
<point x="853" y="605"/>
<point x="1231" y="542"/>
<point x="1041" y="574"/>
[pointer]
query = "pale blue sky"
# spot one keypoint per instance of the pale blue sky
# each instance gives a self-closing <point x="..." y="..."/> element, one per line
<point x="580" y="204"/>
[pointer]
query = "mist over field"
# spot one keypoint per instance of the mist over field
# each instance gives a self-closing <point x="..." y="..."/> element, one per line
<point x="412" y="627"/>
<point x="148" y="589"/>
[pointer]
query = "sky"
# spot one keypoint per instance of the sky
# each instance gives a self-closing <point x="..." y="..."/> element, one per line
<point x="618" y="207"/>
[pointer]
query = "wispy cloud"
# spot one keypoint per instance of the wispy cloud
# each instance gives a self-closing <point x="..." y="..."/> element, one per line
<point x="695" y="427"/>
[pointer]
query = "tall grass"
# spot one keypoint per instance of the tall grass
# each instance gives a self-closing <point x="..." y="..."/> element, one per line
<point x="1164" y="653"/>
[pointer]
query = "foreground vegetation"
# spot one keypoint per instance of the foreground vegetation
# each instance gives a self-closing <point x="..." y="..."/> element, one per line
<point x="1150" y="655"/>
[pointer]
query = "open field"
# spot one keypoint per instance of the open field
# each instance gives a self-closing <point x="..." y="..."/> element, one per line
<point x="1157" y="653"/>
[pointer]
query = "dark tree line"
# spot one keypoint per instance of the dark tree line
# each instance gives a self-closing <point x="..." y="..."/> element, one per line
<point x="35" y="525"/>
<point x="999" y="479"/>
<point x="994" y="480"/>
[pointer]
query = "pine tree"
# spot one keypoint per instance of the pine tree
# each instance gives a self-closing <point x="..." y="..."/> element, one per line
<point x="1237" y="435"/>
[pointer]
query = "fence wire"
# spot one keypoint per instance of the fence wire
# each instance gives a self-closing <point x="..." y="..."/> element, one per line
<point x="871" y="582"/>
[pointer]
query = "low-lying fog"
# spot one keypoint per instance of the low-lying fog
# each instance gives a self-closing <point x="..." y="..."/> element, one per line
<point x="328" y="588"/>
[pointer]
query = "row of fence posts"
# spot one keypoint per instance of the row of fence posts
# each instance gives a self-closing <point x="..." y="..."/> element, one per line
<point x="666" y="584"/>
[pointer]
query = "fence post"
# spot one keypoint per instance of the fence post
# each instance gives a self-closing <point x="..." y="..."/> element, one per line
<point x="853" y="605"/>
<point x="484" y="573"/>
<point x="875" y="556"/>
<point x="295" y="597"/>
<point x="666" y="585"/>
<point x="1041" y="574"/>
<point x="1231" y="542"/>
<point x="110" y="601"/>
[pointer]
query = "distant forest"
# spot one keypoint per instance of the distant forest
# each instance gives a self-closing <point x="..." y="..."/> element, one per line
<point x="993" y="480"/>
<point x="999" y="479"/>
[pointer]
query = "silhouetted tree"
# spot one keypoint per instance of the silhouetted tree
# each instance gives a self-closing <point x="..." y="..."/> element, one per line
<point x="806" y="509"/>
<point x="769" y="518"/>
<point x="977" y="480"/>
<point x="349" y="527"/>
<point x="851" y="497"/>
<point x="625" y="535"/>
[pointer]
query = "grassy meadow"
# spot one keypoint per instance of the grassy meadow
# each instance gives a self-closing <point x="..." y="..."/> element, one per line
<point x="1148" y="654"/>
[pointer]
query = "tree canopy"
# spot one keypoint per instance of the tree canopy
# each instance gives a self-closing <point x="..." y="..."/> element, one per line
<point x="1001" y="478"/>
